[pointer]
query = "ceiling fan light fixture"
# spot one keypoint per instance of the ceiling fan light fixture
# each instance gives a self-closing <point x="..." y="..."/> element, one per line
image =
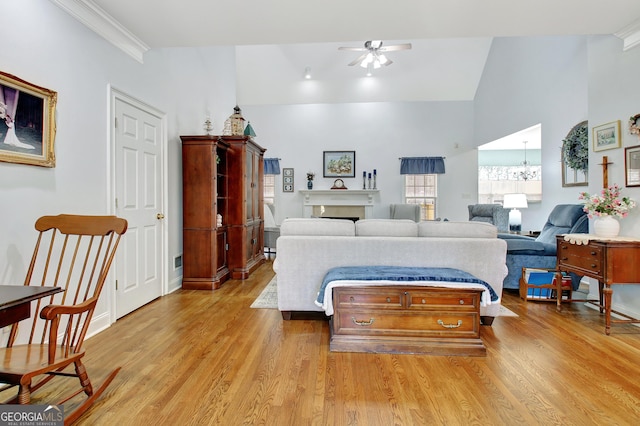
<point x="307" y="73"/>
<point x="382" y="59"/>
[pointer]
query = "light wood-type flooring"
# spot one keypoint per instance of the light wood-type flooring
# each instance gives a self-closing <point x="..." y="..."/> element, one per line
<point x="206" y="358"/>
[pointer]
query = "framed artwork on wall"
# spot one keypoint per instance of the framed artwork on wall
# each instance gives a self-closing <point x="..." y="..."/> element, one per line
<point x="339" y="164"/>
<point x="606" y="136"/>
<point x="287" y="179"/>
<point x="632" y="165"/>
<point x="575" y="156"/>
<point x="27" y="122"/>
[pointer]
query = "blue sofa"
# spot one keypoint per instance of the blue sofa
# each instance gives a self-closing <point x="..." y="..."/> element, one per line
<point x="540" y="252"/>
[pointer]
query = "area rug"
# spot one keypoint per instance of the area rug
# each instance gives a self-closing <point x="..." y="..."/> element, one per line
<point x="268" y="299"/>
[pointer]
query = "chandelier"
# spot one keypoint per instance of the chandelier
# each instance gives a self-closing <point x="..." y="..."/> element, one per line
<point x="525" y="174"/>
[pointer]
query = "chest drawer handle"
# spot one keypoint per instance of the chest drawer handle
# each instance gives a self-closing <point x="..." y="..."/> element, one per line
<point x="352" y="299"/>
<point x="388" y="300"/>
<point x="449" y="325"/>
<point x="461" y="302"/>
<point x="362" y="323"/>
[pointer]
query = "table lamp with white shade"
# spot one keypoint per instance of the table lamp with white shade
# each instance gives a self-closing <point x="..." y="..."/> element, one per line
<point x="515" y="202"/>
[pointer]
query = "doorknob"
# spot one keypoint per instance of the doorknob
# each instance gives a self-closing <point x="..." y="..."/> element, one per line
<point x="160" y="216"/>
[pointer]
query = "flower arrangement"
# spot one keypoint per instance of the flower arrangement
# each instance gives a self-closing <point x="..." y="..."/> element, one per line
<point x="608" y="203"/>
<point x="310" y="175"/>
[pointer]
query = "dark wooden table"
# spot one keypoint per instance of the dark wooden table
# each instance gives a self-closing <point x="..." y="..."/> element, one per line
<point x="15" y="301"/>
<point x="613" y="261"/>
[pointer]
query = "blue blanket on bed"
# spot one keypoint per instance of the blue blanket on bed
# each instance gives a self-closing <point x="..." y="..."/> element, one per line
<point x="399" y="273"/>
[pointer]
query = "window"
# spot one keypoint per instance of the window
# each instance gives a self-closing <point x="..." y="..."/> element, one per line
<point x="422" y="190"/>
<point x="511" y="165"/>
<point x="269" y="193"/>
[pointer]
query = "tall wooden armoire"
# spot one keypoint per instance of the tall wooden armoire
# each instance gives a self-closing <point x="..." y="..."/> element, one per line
<point x="246" y="222"/>
<point x="222" y="175"/>
<point x="205" y="194"/>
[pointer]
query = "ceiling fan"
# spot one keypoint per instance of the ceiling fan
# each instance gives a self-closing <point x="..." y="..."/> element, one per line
<point x="374" y="54"/>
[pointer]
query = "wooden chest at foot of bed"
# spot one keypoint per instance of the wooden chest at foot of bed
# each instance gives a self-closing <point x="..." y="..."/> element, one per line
<point x="407" y="319"/>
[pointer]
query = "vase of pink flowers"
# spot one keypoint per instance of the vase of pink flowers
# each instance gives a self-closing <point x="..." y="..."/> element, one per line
<point x="607" y="207"/>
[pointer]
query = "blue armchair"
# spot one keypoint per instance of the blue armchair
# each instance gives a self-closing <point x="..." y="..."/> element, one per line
<point x="494" y="214"/>
<point x="540" y="252"/>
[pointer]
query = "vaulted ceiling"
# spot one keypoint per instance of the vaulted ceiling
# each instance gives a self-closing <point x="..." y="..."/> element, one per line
<point x="451" y="39"/>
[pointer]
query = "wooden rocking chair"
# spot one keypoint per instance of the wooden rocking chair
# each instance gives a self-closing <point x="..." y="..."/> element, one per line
<point x="73" y="253"/>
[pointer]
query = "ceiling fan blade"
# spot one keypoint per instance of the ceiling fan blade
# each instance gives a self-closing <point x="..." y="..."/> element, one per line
<point x="357" y="60"/>
<point x="389" y="62"/>
<point x="394" y="47"/>
<point x="353" y="49"/>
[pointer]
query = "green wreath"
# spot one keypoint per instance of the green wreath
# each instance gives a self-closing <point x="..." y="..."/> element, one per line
<point x="575" y="147"/>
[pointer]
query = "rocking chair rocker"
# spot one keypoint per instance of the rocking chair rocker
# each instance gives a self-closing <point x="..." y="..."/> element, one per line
<point x="74" y="253"/>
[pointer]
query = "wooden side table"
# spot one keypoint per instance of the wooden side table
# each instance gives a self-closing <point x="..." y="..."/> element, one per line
<point x="610" y="261"/>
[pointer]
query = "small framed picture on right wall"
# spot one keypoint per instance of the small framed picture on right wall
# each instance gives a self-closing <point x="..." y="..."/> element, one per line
<point x="632" y="165"/>
<point x="606" y="136"/>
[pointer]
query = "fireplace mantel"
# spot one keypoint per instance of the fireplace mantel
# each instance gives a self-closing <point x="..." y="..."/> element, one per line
<point x="338" y="197"/>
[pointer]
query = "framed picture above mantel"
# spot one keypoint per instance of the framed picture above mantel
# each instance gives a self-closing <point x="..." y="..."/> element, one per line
<point x="27" y="122"/>
<point x="339" y="164"/>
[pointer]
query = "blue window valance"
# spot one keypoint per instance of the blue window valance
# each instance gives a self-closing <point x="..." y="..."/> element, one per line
<point x="271" y="166"/>
<point x="421" y="165"/>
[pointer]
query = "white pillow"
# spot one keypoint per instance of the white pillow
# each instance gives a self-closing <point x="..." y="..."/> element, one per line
<point x="317" y="226"/>
<point x="432" y="228"/>
<point x="386" y="228"/>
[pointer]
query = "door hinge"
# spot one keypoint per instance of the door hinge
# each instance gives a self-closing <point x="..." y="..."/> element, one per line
<point x="115" y="122"/>
<point x="116" y="285"/>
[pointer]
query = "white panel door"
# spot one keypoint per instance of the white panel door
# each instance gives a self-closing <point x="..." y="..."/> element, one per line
<point x="138" y="182"/>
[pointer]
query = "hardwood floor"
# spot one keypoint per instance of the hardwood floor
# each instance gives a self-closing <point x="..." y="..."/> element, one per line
<point x="205" y="357"/>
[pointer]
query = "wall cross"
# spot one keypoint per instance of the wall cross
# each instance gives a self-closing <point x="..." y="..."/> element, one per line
<point x="605" y="171"/>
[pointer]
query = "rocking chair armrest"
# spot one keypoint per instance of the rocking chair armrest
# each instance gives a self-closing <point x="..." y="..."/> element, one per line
<point x="49" y="312"/>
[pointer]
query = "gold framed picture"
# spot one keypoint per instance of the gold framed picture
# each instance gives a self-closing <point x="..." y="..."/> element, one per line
<point x="27" y="122"/>
<point x="606" y="136"/>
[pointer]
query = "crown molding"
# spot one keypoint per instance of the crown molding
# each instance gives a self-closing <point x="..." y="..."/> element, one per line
<point x="630" y="35"/>
<point x="95" y="18"/>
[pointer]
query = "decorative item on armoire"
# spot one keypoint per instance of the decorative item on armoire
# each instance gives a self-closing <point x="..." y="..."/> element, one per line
<point x="237" y="122"/>
<point x="248" y="131"/>
<point x="208" y="126"/>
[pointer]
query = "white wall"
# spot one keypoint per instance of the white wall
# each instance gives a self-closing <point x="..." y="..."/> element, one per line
<point x="613" y="95"/>
<point x="531" y="80"/>
<point x="45" y="46"/>
<point x="380" y="133"/>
